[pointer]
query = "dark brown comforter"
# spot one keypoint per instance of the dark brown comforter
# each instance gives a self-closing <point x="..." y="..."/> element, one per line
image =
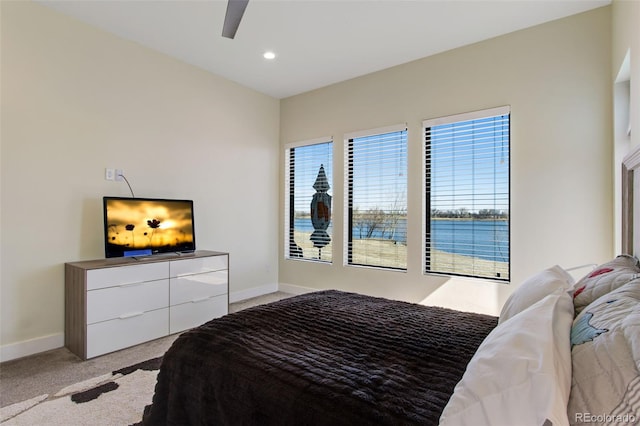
<point x="324" y="358"/>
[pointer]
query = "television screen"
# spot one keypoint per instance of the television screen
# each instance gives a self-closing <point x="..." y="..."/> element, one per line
<point x="146" y="226"/>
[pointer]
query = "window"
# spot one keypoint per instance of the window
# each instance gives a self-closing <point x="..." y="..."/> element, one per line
<point x="376" y="198"/>
<point x="308" y="223"/>
<point x="467" y="194"/>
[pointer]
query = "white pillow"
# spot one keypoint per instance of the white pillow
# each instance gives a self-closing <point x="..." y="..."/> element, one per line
<point x="521" y="373"/>
<point x="534" y="289"/>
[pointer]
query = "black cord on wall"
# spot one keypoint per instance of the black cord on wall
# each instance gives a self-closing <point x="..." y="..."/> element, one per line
<point x="128" y="184"/>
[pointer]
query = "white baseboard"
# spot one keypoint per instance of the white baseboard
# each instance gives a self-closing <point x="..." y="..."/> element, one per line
<point x="30" y="347"/>
<point x="295" y="289"/>
<point x="237" y="296"/>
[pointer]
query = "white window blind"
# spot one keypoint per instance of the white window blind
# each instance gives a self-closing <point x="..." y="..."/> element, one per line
<point x="376" y="198"/>
<point x="308" y="221"/>
<point x="467" y="194"/>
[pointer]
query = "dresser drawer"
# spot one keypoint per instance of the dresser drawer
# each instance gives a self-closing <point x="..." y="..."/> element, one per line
<point x="110" y="277"/>
<point x="111" y="304"/>
<point x="192" y="314"/>
<point x="126" y="300"/>
<point x="189" y="288"/>
<point x="197" y="265"/>
<point x="109" y="336"/>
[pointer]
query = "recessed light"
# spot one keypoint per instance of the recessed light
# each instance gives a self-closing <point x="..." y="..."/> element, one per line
<point x="269" y="55"/>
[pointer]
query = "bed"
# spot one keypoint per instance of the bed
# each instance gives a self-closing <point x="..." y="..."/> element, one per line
<point x="564" y="350"/>
<point x="326" y="357"/>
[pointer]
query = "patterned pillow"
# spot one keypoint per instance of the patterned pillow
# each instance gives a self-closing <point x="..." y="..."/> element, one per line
<point x="605" y="278"/>
<point x="605" y="354"/>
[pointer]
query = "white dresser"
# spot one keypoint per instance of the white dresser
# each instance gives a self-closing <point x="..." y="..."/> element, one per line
<point x="111" y="304"/>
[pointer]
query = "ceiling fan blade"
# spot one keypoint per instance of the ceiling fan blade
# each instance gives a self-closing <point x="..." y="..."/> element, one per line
<point x="235" y="10"/>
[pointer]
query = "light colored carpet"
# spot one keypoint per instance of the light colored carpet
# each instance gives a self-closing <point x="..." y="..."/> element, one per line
<point x="48" y="372"/>
<point x="118" y="398"/>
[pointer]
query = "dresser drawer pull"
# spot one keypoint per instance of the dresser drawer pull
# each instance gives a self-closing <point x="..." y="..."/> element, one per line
<point x="201" y="299"/>
<point x="131" y="315"/>
<point x="188" y="275"/>
<point x="130" y="284"/>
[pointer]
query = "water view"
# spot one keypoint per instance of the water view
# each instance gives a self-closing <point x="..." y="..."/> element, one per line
<point x="485" y="239"/>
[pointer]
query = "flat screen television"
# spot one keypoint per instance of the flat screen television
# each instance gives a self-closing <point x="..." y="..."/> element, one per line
<point x="147" y="226"/>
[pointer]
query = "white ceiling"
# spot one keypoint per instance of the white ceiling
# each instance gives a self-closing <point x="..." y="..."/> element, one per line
<point x="317" y="43"/>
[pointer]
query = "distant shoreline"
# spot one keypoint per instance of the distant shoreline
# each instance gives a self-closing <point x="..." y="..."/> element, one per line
<point x="497" y="219"/>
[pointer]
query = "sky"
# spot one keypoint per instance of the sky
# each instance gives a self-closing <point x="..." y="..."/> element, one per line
<point x="461" y="151"/>
<point x="308" y="159"/>
<point x="380" y="167"/>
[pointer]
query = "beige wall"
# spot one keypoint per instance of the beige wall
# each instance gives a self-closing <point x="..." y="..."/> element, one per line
<point x="557" y="79"/>
<point x="76" y="100"/>
<point x="625" y="68"/>
<point x="626" y="40"/>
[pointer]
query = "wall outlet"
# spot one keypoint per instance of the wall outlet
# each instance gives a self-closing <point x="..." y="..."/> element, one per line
<point x="119" y="174"/>
<point x="109" y="174"/>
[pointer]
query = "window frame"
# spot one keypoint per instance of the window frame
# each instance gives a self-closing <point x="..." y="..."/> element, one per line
<point x="348" y="192"/>
<point x="289" y="198"/>
<point x="426" y="191"/>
